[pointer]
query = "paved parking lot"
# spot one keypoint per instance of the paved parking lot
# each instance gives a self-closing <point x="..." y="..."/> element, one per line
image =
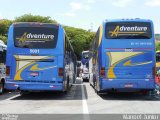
<point x="81" y="99"/>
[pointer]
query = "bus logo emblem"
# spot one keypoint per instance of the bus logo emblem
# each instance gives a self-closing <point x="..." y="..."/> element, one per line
<point x="122" y="30"/>
<point x="30" y="36"/>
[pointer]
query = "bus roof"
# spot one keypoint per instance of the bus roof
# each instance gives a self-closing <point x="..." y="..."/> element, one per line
<point x="128" y="20"/>
<point x="20" y="24"/>
<point x="158" y="51"/>
<point x="2" y="46"/>
<point x="1" y="41"/>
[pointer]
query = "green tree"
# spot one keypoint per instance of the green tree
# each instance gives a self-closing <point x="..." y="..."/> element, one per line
<point x="34" y="18"/>
<point x="4" y="25"/>
<point x="157" y="46"/>
<point x="79" y="38"/>
<point x="3" y="38"/>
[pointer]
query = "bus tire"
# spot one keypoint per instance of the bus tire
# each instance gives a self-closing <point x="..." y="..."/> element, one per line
<point x="94" y="84"/>
<point x="67" y="86"/>
<point x="97" y="88"/>
<point x="1" y="88"/>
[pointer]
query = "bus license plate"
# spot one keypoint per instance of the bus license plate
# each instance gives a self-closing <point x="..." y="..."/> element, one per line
<point x="128" y="85"/>
<point x="34" y="73"/>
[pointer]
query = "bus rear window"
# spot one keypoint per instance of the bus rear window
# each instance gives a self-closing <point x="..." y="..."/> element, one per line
<point x="35" y="37"/>
<point x="128" y="30"/>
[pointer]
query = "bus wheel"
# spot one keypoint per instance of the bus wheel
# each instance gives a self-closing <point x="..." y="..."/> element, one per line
<point x="97" y="87"/>
<point x="67" y="86"/>
<point x="94" y="84"/>
<point x="1" y="88"/>
<point x="97" y="91"/>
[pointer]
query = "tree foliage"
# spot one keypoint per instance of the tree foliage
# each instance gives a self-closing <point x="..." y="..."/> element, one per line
<point x="3" y="38"/>
<point x="79" y="38"/>
<point x="4" y="25"/>
<point x="157" y="46"/>
<point x="34" y="18"/>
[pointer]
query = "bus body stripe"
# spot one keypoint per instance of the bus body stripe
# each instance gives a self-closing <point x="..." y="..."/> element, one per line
<point x="111" y="73"/>
<point x="100" y="37"/>
<point x="20" y="70"/>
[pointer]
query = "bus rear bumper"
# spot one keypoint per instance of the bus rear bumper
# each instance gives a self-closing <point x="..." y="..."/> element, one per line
<point x="34" y="86"/>
<point x="123" y="84"/>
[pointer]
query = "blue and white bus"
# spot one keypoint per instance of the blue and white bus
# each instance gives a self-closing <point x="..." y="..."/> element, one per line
<point x="85" y="57"/>
<point x="39" y="58"/>
<point x="85" y="65"/>
<point x="123" y="56"/>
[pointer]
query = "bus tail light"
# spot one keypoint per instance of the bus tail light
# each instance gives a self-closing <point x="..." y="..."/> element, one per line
<point x="102" y="72"/>
<point x="60" y="72"/>
<point x="7" y="70"/>
<point x="153" y="72"/>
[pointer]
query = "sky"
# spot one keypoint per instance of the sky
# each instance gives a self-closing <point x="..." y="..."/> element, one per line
<point x="86" y="14"/>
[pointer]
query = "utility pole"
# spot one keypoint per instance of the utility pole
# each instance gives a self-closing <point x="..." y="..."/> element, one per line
<point x="91" y="27"/>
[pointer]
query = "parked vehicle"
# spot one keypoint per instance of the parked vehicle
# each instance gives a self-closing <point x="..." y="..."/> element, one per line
<point x="79" y="68"/>
<point x="123" y="56"/>
<point x="39" y="58"/>
<point x="85" y="65"/>
<point x="3" y="48"/>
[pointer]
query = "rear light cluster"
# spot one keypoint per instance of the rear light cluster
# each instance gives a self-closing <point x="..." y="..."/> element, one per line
<point x="102" y="72"/>
<point x="7" y="70"/>
<point x="60" y="72"/>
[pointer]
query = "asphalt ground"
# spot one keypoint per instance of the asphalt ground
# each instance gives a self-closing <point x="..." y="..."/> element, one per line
<point x="81" y="99"/>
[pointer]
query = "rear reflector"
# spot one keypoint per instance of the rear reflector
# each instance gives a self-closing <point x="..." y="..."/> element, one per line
<point x="52" y="86"/>
<point x="15" y="85"/>
<point x="7" y="70"/>
<point x="102" y="72"/>
<point x="60" y="72"/>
